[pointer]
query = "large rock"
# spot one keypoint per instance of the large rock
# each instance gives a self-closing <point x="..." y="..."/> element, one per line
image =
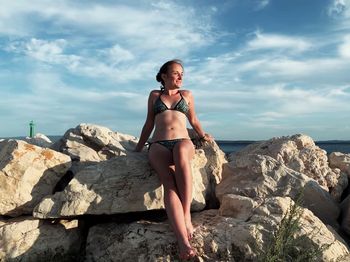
<point x="341" y="161"/>
<point x="128" y="184"/>
<point x="88" y="144"/>
<point x="260" y="176"/>
<point x="27" y="174"/>
<point x="28" y="239"/>
<point x="345" y="211"/>
<point x="93" y="143"/>
<point x="299" y="153"/>
<point x="268" y="217"/>
<point x="321" y="204"/>
<point x="237" y="206"/>
<point x="217" y="238"/>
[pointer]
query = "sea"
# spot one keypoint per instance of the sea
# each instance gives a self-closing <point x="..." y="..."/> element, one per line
<point x="231" y="146"/>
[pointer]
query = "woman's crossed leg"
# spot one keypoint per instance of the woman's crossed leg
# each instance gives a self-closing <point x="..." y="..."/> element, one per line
<point x="182" y="154"/>
<point x="162" y="161"/>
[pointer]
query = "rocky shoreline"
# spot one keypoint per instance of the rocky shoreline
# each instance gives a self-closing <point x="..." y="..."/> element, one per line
<point x="89" y="197"/>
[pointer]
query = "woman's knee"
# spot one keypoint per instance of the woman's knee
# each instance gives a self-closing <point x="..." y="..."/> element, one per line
<point x="168" y="182"/>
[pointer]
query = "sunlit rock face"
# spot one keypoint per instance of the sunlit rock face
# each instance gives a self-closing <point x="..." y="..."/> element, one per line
<point x="299" y="152"/>
<point x="217" y="237"/>
<point x="237" y="205"/>
<point x="341" y="161"/>
<point x="30" y="239"/>
<point x="27" y="174"/>
<point x="88" y="144"/>
<point x="128" y="184"/>
<point x="94" y="143"/>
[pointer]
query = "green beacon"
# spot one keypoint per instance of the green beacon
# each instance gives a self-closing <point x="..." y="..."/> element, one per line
<point x="31" y="128"/>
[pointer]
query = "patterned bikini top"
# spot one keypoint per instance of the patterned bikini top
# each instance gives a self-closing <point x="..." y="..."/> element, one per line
<point x="180" y="106"/>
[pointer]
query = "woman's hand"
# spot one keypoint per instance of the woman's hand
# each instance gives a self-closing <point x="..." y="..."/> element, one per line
<point x="207" y="138"/>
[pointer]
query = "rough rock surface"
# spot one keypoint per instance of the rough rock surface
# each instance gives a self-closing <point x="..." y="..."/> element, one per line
<point x="237" y="206"/>
<point x="128" y="184"/>
<point x="217" y="238"/>
<point x="29" y="239"/>
<point x="341" y="161"/>
<point x="299" y="153"/>
<point x="88" y="142"/>
<point x="27" y="174"/>
<point x="321" y="204"/>
<point x="254" y="190"/>
<point x="345" y="221"/>
<point x="39" y="140"/>
<point x="260" y="176"/>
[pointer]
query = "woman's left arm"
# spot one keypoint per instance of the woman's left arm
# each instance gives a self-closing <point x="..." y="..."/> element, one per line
<point x="193" y="120"/>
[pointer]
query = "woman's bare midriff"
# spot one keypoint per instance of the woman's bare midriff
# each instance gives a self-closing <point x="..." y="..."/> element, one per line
<point x="170" y="124"/>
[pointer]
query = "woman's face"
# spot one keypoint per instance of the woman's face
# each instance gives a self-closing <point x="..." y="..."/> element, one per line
<point x="173" y="78"/>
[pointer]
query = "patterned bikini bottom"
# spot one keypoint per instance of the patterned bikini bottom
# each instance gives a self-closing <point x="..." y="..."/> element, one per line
<point x="169" y="144"/>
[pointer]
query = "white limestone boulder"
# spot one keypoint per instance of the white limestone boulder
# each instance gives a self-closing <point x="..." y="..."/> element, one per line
<point x="341" y="161"/>
<point x="27" y="174"/>
<point x="217" y="238"/>
<point x="318" y="200"/>
<point x="316" y="233"/>
<point x="128" y="184"/>
<point x="94" y="143"/>
<point x="88" y="144"/>
<point x="237" y="206"/>
<point x="29" y="239"/>
<point x="299" y="153"/>
<point x="260" y="176"/>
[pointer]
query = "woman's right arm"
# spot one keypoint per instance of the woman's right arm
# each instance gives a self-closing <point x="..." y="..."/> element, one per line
<point x="148" y="126"/>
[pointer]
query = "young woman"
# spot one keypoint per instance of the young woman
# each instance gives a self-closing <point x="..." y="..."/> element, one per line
<point x="171" y="148"/>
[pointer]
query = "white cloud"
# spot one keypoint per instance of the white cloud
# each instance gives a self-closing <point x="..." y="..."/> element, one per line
<point x="344" y="48"/>
<point x="144" y="26"/>
<point x="273" y="41"/>
<point x="49" y="51"/>
<point x="121" y="33"/>
<point x="118" y="54"/>
<point x="314" y="71"/>
<point x="261" y="4"/>
<point x="57" y="106"/>
<point x="108" y="62"/>
<point x="338" y="7"/>
<point x="93" y="61"/>
<point x="340" y="10"/>
<point x="54" y="88"/>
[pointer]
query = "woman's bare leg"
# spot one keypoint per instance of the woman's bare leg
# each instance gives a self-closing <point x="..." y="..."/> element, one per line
<point x="182" y="154"/>
<point x="161" y="160"/>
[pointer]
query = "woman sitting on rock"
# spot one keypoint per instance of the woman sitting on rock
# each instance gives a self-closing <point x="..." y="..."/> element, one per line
<point x="171" y="148"/>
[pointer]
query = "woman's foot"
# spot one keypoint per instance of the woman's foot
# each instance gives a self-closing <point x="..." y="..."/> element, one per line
<point x="189" y="227"/>
<point x="186" y="252"/>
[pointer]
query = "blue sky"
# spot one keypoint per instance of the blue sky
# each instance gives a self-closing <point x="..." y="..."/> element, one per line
<point x="257" y="69"/>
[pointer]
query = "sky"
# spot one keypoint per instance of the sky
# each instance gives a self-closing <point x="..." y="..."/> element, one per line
<point x="257" y="68"/>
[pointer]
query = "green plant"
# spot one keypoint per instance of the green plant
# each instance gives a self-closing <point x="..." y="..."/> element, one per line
<point x="286" y="244"/>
